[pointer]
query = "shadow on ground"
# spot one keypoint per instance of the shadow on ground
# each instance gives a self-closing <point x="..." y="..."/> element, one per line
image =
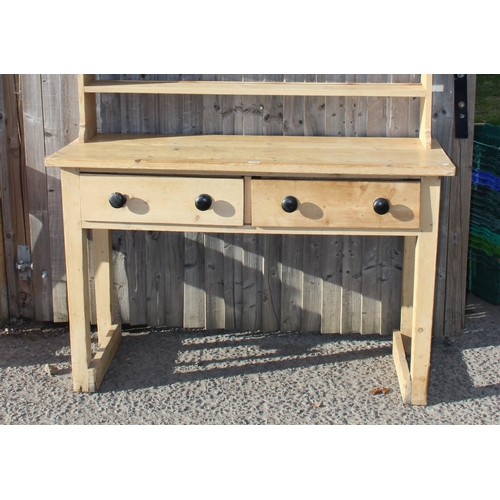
<point x="462" y="368"/>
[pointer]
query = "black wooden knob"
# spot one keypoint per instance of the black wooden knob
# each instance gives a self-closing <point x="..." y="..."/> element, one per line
<point x="289" y="204"/>
<point x="203" y="202"/>
<point x="117" y="200"/>
<point x="381" y="206"/>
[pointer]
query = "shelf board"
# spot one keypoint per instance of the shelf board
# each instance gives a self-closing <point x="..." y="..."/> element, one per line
<point x="268" y="156"/>
<point x="256" y="88"/>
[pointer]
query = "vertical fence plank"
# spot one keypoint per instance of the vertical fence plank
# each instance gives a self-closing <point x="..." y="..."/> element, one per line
<point x="331" y="311"/>
<point x="61" y="123"/>
<point x="194" y="281"/>
<point x="312" y="283"/>
<point x="458" y="225"/>
<point x="31" y="89"/>
<point x="351" y="284"/>
<point x="233" y="281"/>
<point x="14" y="208"/>
<point x="214" y="281"/>
<point x="291" y="284"/>
<point x="155" y="278"/>
<point x="271" y="292"/>
<point x="370" y="287"/>
<point x="174" y="279"/>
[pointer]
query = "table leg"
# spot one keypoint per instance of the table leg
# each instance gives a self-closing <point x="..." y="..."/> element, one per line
<point x="407" y="291"/>
<point x="103" y="279"/>
<point x="75" y="241"/>
<point x="423" y="295"/>
<point x="109" y="332"/>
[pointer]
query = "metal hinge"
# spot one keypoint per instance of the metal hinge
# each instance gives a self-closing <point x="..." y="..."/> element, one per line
<point x="24" y="265"/>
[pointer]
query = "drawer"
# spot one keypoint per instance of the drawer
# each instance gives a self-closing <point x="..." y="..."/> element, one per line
<point x="336" y="204"/>
<point x="166" y="200"/>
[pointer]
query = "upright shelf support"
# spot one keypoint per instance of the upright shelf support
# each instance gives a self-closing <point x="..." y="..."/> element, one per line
<point x="425" y="130"/>
<point x="87" y="107"/>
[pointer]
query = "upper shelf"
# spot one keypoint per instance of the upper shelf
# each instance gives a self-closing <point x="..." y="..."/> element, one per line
<point x="256" y="88"/>
<point x="88" y="88"/>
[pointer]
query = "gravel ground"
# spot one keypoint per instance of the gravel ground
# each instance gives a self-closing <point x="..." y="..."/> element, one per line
<point x="197" y="377"/>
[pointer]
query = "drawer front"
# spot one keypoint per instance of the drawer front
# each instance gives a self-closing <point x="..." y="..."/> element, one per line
<point x="336" y="204"/>
<point x="163" y="200"/>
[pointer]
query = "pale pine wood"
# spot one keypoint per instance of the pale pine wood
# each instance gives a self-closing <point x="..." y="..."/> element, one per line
<point x="425" y="132"/>
<point x="87" y="106"/>
<point x="255" y="155"/>
<point x="103" y="280"/>
<point x="103" y="357"/>
<point x="336" y="204"/>
<point x="75" y="239"/>
<point x="423" y="296"/>
<point x="247" y="200"/>
<point x="402" y="370"/>
<point x="137" y="226"/>
<point x="407" y="291"/>
<point x="152" y="199"/>
<point x="253" y="88"/>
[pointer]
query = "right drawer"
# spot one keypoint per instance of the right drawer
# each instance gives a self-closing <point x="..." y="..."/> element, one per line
<point x="335" y="204"/>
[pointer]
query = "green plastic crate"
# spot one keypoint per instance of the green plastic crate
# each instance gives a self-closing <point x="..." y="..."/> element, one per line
<point x="484" y="275"/>
<point x="486" y="152"/>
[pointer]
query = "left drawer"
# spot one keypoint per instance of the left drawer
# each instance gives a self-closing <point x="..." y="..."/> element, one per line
<point x="162" y="200"/>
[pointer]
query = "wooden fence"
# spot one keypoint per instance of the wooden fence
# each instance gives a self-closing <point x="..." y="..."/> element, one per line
<point x="237" y="282"/>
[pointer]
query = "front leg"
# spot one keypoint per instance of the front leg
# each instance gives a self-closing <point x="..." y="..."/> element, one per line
<point x="75" y="243"/>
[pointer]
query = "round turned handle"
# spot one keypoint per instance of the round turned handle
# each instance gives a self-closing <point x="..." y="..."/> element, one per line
<point x="289" y="204"/>
<point x="117" y="200"/>
<point x="381" y="206"/>
<point x="203" y="202"/>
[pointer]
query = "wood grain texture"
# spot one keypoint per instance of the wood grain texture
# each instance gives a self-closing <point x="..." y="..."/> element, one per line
<point x="423" y="301"/>
<point x="175" y="114"/>
<point x="33" y="120"/>
<point x="155" y="199"/>
<point x="61" y="125"/>
<point x="255" y="88"/>
<point x="335" y="204"/>
<point x="252" y="155"/>
<point x="77" y="273"/>
<point x="14" y="206"/>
